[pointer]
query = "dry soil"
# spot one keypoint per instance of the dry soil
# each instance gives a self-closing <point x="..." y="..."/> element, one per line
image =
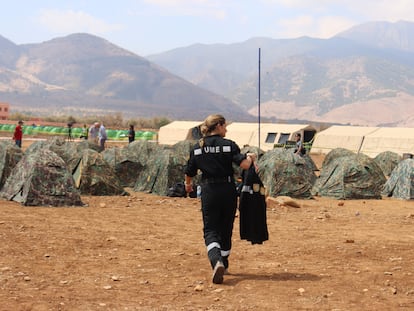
<point x="146" y="252"/>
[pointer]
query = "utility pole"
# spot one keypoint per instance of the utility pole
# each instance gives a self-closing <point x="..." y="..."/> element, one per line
<point x="258" y="102"/>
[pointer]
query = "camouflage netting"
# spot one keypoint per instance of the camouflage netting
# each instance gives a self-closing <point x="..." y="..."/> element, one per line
<point x="126" y="165"/>
<point x="181" y="150"/>
<point x="164" y="168"/>
<point x="400" y="185"/>
<point x="41" y="178"/>
<point x="94" y="176"/>
<point x="286" y="174"/>
<point x="69" y="151"/>
<point x="387" y="161"/>
<point x="130" y="161"/>
<point x="353" y="176"/>
<point x="86" y="144"/>
<point x="10" y="155"/>
<point x="335" y="154"/>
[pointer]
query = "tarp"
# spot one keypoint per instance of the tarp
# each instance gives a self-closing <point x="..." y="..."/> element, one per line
<point x="351" y="176"/>
<point x="400" y="185"/>
<point x="41" y="178"/>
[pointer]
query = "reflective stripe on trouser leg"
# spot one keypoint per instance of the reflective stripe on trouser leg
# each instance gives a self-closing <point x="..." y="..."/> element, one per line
<point x="225" y="253"/>
<point x="225" y="257"/>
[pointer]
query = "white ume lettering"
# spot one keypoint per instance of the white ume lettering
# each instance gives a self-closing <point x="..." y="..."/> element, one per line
<point x="212" y="149"/>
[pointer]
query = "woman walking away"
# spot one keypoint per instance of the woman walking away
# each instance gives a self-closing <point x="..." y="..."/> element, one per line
<point x="214" y="156"/>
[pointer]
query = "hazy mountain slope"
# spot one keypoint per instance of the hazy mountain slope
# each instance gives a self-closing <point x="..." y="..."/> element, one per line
<point x="86" y="73"/>
<point x="306" y="78"/>
<point x="383" y="35"/>
<point x="9" y="52"/>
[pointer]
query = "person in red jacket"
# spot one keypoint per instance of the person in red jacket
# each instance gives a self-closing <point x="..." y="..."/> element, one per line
<point x="18" y="134"/>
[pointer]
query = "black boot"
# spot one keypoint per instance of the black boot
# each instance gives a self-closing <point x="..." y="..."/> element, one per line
<point x="214" y="256"/>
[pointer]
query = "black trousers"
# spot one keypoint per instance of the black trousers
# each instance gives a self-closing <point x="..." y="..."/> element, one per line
<point x="218" y="204"/>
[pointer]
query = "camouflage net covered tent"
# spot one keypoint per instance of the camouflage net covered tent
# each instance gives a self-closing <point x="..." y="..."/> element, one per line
<point x="181" y="150"/>
<point x="164" y="168"/>
<point x="128" y="162"/>
<point x="127" y="168"/>
<point x="349" y="176"/>
<point x="94" y="176"/>
<point x="285" y="174"/>
<point x="400" y="185"/>
<point x="91" y="173"/>
<point x="41" y="178"/>
<point x="69" y="151"/>
<point x="387" y="161"/>
<point x="10" y="155"/>
<point x="335" y="154"/>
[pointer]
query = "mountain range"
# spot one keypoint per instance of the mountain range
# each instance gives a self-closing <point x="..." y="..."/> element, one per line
<point x="83" y="74"/>
<point x="362" y="76"/>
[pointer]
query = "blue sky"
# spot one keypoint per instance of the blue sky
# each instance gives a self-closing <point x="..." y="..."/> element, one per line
<point x="152" y="26"/>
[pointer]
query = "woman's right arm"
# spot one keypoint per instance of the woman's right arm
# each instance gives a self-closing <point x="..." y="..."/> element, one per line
<point x="246" y="163"/>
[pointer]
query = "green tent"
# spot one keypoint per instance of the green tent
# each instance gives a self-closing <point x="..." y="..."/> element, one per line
<point x="41" y="178"/>
<point x="400" y="185"/>
<point x="10" y="155"/>
<point x="286" y="174"/>
<point x="349" y="176"/>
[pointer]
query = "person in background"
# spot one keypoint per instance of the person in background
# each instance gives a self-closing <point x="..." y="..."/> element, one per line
<point x="18" y="134"/>
<point x="214" y="156"/>
<point x="70" y="125"/>
<point x="299" y="148"/>
<point x="93" y="132"/>
<point x="131" y="133"/>
<point x="102" y="136"/>
<point x="84" y="133"/>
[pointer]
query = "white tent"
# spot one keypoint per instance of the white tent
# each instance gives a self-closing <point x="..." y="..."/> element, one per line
<point x="337" y="136"/>
<point x="396" y="139"/>
<point x="271" y="134"/>
<point x="242" y="133"/>
<point x="368" y="140"/>
<point x="176" y="131"/>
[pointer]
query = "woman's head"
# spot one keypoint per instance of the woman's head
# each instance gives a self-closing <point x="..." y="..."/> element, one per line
<point x="214" y="124"/>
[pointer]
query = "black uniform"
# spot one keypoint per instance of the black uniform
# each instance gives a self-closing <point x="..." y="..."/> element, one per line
<point x="218" y="197"/>
<point x="252" y="206"/>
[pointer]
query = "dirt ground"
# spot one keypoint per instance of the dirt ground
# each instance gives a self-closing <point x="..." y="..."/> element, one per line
<point x="146" y="252"/>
